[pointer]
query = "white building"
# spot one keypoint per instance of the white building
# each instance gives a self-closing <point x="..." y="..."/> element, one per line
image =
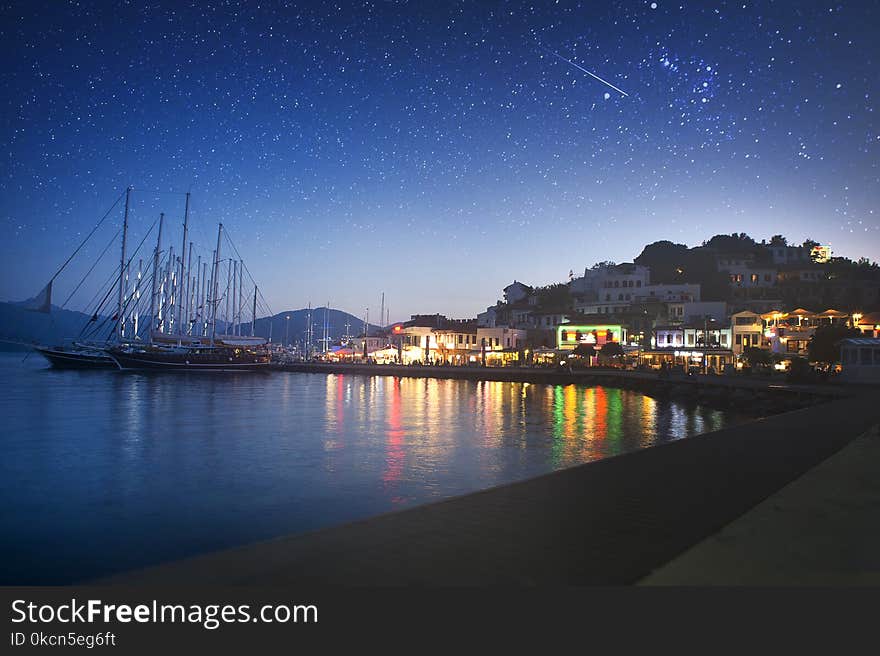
<point x="788" y="254"/>
<point x="501" y="338"/>
<point x="488" y="318"/>
<point x="673" y="293"/>
<point x="516" y="292"/>
<point x="748" y="330"/>
<point x="626" y="276"/>
<point x="696" y="312"/>
<point x="749" y="276"/>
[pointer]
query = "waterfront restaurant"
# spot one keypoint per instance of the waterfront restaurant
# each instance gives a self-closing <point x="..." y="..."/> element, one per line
<point x="706" y="348"/>
<point x="456" y="344"/>
<point x="788" y="333"/>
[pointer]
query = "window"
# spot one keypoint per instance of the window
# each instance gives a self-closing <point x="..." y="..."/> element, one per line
<point x="738" y="339"/>
<point x="620" y="297"/>
<point x="754" y="277"/>
<point x="461" y="339"/>
<point x="723" y="339"/>
<point x="638" y="283"/>
<point x="766" y="277"/>
<point x="690" y="339"/>
<point x="617" y="283"/>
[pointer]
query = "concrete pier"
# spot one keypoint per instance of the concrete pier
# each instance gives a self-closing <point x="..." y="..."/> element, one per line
<point x="611" y="522"/>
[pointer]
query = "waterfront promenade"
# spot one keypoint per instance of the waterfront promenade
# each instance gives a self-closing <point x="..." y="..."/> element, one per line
<point x="617" y="521"/>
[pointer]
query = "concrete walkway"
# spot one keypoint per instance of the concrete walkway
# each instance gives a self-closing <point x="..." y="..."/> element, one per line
<point x="821" y="529"/>
<point x="611" y="522"/>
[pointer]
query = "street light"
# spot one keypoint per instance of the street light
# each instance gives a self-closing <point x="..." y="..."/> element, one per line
<point x="286" y="326"/>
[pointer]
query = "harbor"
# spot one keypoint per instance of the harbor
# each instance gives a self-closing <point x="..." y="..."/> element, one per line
<point x="166" y="466"/>
<point x="677" y="514"/>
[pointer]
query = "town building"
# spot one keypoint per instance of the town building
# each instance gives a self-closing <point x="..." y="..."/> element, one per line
<point x="784" y="254"/>
<point x="688" y="312"/>
<point x="868" y="324"/>
<point x="516" y="292"/>
<point x="860" y="360"/>
<point x="748" y="331"/>
<point x="456" y="343"/>
<point x="705" y="347"/>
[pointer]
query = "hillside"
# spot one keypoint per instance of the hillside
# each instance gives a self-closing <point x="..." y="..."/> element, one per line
<point x="298" y="321"/>
<point x="20" y="325"/>
<point x="23" y="326"/>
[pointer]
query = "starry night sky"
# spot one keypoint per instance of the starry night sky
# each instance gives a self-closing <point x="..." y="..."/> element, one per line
<point x="433" y="151"/>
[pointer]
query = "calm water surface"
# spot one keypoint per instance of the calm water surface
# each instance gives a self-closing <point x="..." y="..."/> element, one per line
<point x="105" y="471"/>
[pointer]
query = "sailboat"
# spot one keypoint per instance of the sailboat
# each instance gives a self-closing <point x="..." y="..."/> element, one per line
<point x="79" y="355"/>
<point x="189" y="352"/>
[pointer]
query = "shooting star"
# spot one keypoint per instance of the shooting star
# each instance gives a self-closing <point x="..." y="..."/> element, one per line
<point x="581" y="68"/>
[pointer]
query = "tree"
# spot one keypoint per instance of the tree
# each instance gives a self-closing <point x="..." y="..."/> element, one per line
<point x="733" y="243"/>
<point x="778" y="240"/>
<point x="757" y="357"/>
<point x="823" y="345"/>
<point x="612" y="350"/>
<point x="584" y="350"/>
<point x="666" y="260"/>
<point x="603" y="265"/>
<point x="554" y="297"/>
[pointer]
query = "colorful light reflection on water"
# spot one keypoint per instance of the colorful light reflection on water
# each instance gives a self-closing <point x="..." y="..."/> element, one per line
<point x="104" y="472"/>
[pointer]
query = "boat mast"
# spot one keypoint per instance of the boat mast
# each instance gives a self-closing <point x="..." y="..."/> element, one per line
<point x="203" y="298"/>
<point x="226" y="298"/>
<point x="185" y="323"/>
<point x="240" y="292"/>
<point x="153" y="296"/>
<point x="135" y="313"/>
<point x="234" y="292"/>
<point x="120" y="326"/>
<point x="254" y="314"/>
<point x="168" y="297"/>
<point x="214" y="277"/>
<point x="197" y="295"/>
<point x="181" y="277"/>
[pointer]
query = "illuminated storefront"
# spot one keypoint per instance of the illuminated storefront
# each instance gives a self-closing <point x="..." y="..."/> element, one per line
<point x="569" y="336"/>
<point x="711" y="359"/>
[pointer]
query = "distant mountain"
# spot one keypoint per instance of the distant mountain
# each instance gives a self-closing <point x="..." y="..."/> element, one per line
<point x="24" y="326"/>
<point x="296" y="328"/>
<point x="20" y="325"/>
